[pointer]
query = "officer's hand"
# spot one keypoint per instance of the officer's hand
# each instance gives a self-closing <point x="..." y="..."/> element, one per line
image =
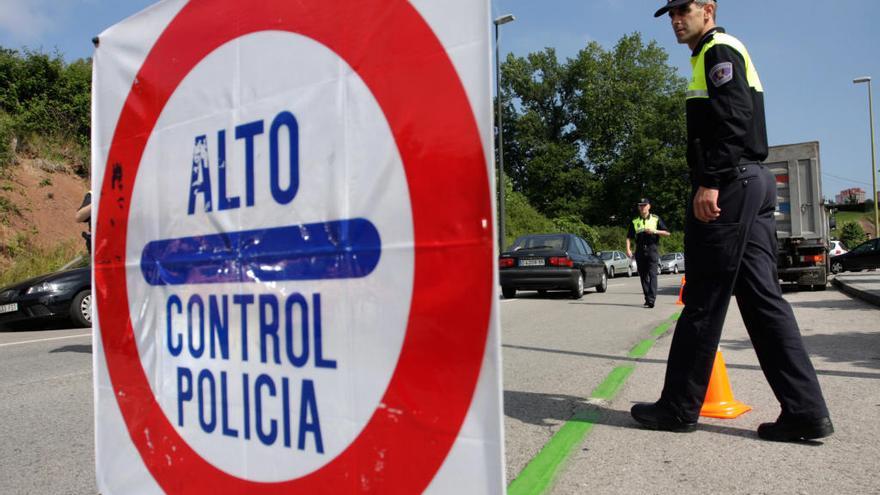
<point x="706" y="204"/>
<point x="629" y="254"/>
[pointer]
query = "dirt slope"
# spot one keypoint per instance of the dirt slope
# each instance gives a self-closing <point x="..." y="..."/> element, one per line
<point x="43" y="200"/>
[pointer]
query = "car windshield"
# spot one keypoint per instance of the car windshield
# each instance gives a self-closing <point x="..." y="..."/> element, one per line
<point x="605" y="255"/>
<point x="539" y="242"/>
<point x="667" y="257"/>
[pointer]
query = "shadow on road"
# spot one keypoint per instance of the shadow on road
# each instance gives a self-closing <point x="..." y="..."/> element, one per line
<point x="80" y="348"/>
<point x="32" y="325"/>
<point x="668" y="291"/>
<point x="553" y="409"/>
<point x="854" y="348"/>
<point x="592" y="303"/>
<point x="551" y="295"/>
<point x="845" y="353"/>
<point x="835" y="304"/>
<point x="550" y="410"/>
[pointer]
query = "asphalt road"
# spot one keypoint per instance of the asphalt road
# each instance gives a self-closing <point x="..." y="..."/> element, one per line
<point x="555" y="352"/>
<point x="46" y="412"/>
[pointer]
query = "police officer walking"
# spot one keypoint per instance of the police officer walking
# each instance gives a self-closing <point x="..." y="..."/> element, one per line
<point x="730" y="241"/>
<point x="645" y="230"/>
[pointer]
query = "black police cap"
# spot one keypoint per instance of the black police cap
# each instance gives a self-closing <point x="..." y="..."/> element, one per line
<point x="671" y="4"/>
<point x="644" y="201"/>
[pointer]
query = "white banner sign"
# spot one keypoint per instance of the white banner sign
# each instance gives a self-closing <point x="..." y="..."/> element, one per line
<point x="294" y="261"/>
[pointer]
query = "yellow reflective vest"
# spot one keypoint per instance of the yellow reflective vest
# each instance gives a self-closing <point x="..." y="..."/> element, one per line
<point x="640" y="224"/>
<point x="725" y="110"/>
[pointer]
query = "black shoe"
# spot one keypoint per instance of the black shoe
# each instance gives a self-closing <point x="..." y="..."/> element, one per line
<point x="793" y="430"/>
<point x="656" y="417"/>
<point x="648" y="304"/>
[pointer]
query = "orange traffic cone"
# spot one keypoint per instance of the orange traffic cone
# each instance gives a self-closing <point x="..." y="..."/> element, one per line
<point x="681" y="292"/>
<point x="719" y="401"/>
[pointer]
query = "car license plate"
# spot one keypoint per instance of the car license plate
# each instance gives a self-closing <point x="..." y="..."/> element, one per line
<point x="531" y="262"/>
<point x="8" y="308"/>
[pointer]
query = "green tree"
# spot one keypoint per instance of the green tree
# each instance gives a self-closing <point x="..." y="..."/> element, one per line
<point x="852" y="234"/>
<point x="588" y="136"/>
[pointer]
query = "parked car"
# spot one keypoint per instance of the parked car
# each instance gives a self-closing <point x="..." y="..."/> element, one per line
<point x="617" y="262"/>
<point x="545" y="262"/>
<point x="863" y="256"/>
<point x="835" y="248"/>
<point x="64" y="294"/>
<point x="672" y="263"/>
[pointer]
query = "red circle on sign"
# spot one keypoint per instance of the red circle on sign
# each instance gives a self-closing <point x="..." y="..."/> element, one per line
<point x="407" y="70"/>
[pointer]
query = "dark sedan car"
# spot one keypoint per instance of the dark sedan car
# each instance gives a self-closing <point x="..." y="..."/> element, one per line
<point x="64" y="294"/>
<point x="864" y="256"/>
<point x="551" y="262"/>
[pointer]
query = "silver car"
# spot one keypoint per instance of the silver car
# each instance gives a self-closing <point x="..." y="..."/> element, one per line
<point x="672" y="263"/>
<point x="616" y="263"/>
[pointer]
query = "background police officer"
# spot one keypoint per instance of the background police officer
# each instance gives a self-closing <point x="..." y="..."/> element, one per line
<point x="646" y="230"/>
<point x="730" y="241"/>
<point x="84" y="215"/>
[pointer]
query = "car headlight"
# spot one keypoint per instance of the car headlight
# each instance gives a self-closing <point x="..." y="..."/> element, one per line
<point x="48" y="287"/>
<point x="42" y="288"/>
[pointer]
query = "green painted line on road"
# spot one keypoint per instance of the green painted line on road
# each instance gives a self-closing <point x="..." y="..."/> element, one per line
<point x="608" y="388"/>
<point x="541" y="471"/>
<point x="641" y="348"/>
<point x="660" y="330"/>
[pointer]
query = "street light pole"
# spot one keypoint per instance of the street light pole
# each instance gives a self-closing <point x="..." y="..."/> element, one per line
<point x="501" y="218"/>
<point x="873" y="153"/>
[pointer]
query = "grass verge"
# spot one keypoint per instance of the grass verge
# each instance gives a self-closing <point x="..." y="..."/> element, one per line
<point x="29" y="261"/>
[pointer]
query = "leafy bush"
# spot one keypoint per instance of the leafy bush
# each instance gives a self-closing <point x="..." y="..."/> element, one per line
<point x="851" y="234"/>
<point x="522" y="218"/>
<point x="7" y="136"/>
<point x="573" y="225"/>
<point x="613" y="238"/>
<point x="672" y="244"/>
<point x="45" y="103"/>
<point x="610" y="238"/>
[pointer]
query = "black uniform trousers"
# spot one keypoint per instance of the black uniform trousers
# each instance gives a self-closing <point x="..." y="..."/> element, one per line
<point x="647" y="257"/>
<point x="736" y="254"/>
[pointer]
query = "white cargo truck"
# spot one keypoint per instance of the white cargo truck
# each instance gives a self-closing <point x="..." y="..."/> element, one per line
<point x="801" y="219"/>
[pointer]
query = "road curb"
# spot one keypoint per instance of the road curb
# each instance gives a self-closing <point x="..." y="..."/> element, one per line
<point x="864" y="295"/>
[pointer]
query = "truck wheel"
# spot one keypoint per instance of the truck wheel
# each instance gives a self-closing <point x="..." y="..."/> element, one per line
<point x="508" y="292"/>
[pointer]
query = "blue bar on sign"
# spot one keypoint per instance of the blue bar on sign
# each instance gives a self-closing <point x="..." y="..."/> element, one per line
<point x="318" y="251"/>
<point x="784" y="207"/>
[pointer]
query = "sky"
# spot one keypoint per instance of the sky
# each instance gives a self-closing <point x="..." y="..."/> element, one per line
<point x="807" y="54"/>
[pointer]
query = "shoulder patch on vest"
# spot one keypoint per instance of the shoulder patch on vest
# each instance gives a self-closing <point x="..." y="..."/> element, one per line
<point x="721" y="74"/>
